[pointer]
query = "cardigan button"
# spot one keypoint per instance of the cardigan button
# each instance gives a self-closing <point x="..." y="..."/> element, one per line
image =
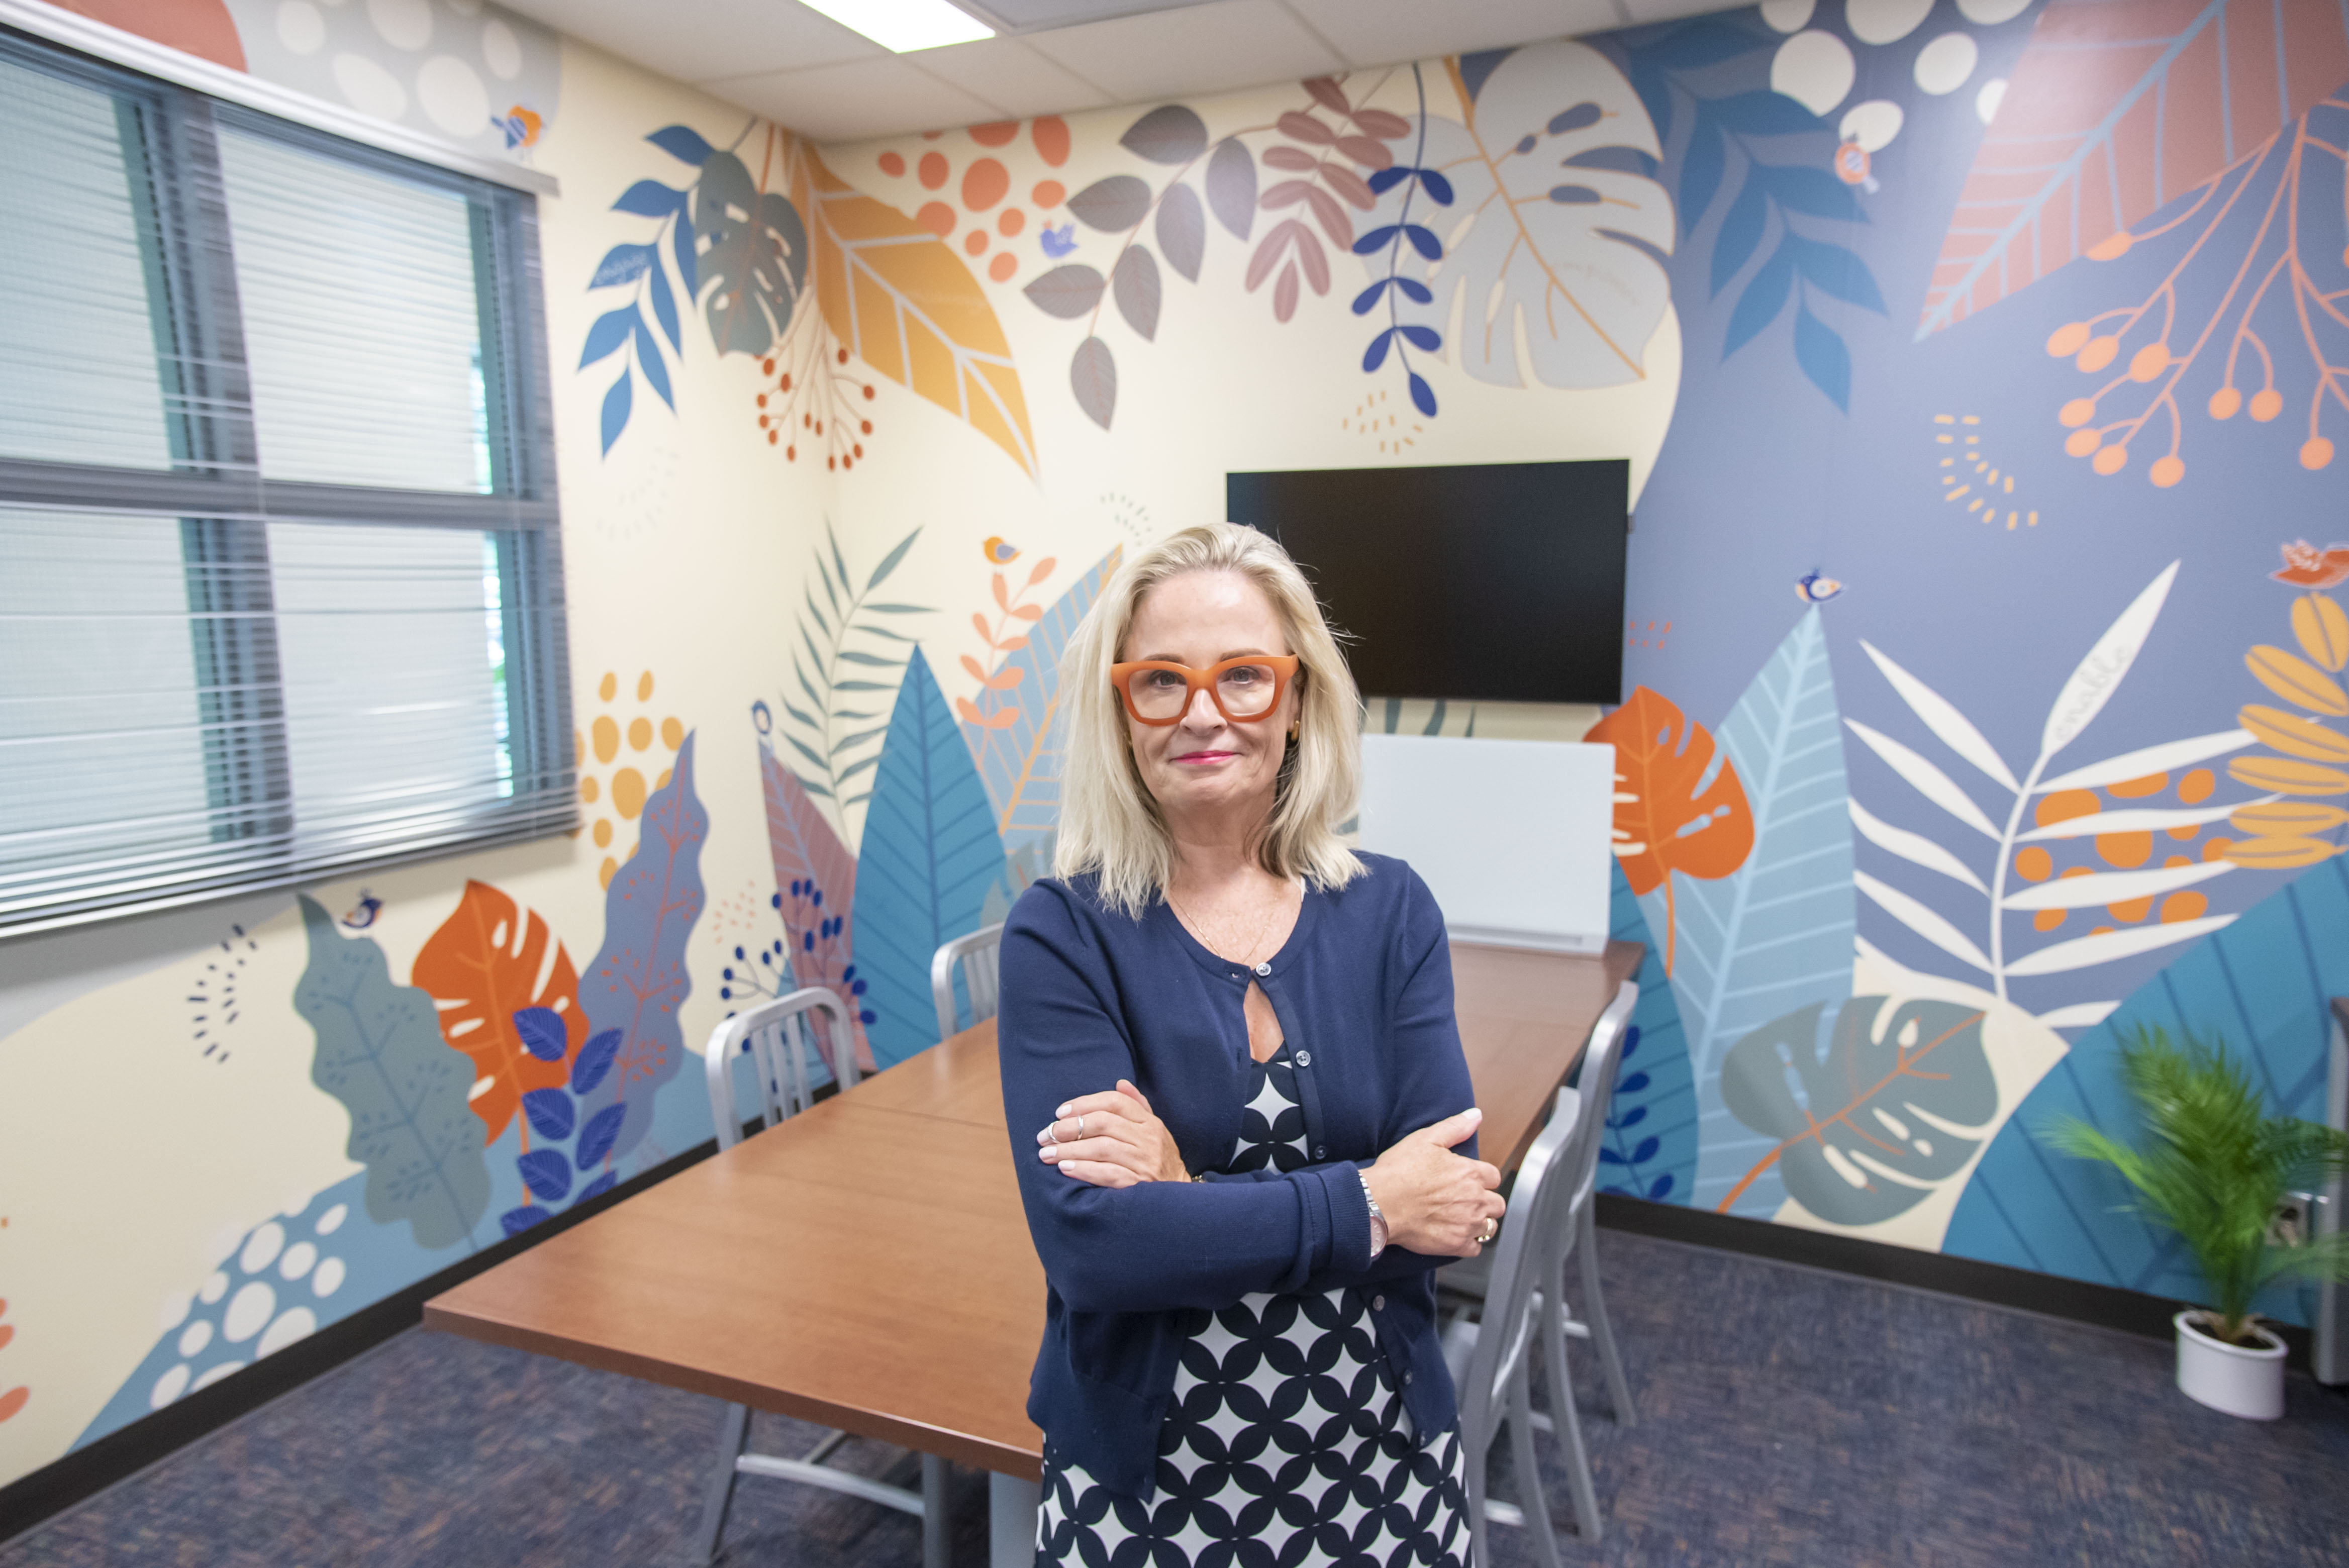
<point x="1378" y="1303"/>
<point x="1406" y="1376"/>
<point x="1320" y="1151"/>
<point x="1264" y="968"/>
<point x="1304" y="1058"/>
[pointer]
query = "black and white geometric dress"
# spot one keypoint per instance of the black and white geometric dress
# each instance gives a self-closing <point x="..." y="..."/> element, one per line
<point x="1285" y="1442"/>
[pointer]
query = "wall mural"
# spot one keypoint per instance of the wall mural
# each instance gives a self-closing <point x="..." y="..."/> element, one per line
<point x="1971" y="321"/>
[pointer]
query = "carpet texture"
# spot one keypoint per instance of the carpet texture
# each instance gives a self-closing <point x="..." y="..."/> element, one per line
<point x="1786" y="1416"/>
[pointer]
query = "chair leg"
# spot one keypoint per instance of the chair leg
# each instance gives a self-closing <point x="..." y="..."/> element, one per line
<point x="1479" y="1453"/>
<point x="936" y="1550"/>
<point x="1529" y="1489"/>
<point x="1594" y="1308"/>
<point x="733" y="1437"/>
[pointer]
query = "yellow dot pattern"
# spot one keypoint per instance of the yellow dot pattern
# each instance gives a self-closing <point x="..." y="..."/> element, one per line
<point x="621" y="745"/>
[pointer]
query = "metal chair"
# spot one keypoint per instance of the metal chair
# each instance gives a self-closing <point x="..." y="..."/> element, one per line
<point x="1490" y="1357"/>
<point x="772" y="1036"/>
<point x="979" y="953"/>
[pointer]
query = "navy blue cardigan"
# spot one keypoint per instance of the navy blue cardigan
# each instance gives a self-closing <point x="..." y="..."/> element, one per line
<point x="1363" y="992"/>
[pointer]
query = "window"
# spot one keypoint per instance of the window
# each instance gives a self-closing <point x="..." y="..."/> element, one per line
<point x="280" y="578"/>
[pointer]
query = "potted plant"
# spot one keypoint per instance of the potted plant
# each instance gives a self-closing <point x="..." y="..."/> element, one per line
<point x="2213" y="1170"/>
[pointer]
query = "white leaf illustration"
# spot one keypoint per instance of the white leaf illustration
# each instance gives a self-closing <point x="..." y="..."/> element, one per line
<point x="2079" y="1015"/>
<point x="1914" y="848"/>
<point x="2147" y="819"/>
<point x="2106" y="946"/>
<point x="2100" y="673"/>
<point x="2169" y="756"/>
<point x="1922" y="920"/>
<point x="1941" y="717"/>
<point x="2115" y="887"/>
<point x="1930" y="781"/>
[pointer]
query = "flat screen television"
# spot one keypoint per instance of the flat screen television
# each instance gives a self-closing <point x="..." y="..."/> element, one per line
<point x="1486" y="581"/>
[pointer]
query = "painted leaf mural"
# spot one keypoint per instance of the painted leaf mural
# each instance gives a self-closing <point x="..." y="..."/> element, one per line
<point x="380" y="1055"/>
<point x="1775" y="933"/>
<point x="1676" y="809"/>
<point x="2117" y="107"/>
<point x="755" y="265"/>
<point x="1863" y="1128"/>
<point x="639" y="982"/>
<point x="930" y="852"/>
<point x="504" y="999"/>
<point x="1649" y="1149"/>
<point x="2262" y="986"/>
<point x="1011" y="729"/>
<point x="903" y="302"/>
<point x="816" y="878"/>
<point x="1562" y="251"/>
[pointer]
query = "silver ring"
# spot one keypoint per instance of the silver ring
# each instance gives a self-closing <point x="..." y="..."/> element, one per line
<point x="1492" y="1229"/>
<point x="1081" y="1127"/>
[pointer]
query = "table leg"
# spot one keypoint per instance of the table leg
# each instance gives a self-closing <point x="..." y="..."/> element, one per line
<point x="937" y="1552"/>
<point x="1011" y="1505"/>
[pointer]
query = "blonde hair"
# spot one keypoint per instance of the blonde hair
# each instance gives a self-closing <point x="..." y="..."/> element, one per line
<point x="1111" y="826"/>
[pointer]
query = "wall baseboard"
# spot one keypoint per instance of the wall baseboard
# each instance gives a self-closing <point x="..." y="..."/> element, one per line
<point x="1994" y="1285"/>
<point x="31" y="1499"/>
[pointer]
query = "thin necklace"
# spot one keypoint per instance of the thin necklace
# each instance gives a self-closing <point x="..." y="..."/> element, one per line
<point x="1255" y="942"/>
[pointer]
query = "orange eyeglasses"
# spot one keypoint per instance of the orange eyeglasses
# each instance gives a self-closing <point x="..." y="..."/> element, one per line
<point x="1244" y="690"/>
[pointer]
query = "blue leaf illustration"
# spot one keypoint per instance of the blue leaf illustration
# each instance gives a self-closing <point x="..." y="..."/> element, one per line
<point x="650" y="198"/>
<point x="681" y="242"/>
<point x="596" y="1188"/>
<point x="1370" y="296"/>
<point x="615" y="410"/>
<point x="1764" y="296"/>
<point x="1740" y="234"/>
<point x="595" y="1059"/>
<point x="1423" y="395"/>
<point x="1804" y="189"/>
<point x="648" y="360"/>
<point x="1386" y="179"/>
<point x="597" y="1138"/>
<point x="930" y="851"/>
<point x="1425" y="242"/>
<point x="1776" y="933"/>
<point x="1835" y="271"/>
<point x="1823" y="357"/>
<point x="541" y="1033"/>
<point x="1438" y="189"/>
<point x="546" y="1172"/>
<point x="665" y="307"/>
<point x="1609" y="1157"/>
<point x="1762" y="112"/>
<point x="1376" y="354"/>
<point x="610" y="331"/>
<point x="1645" y="1152"/>
<point x="550" y="1112"/>
<point x="1376" y="240"/>
<point x="621" y="264"/>
<point x="1667" y="1094"/>
<point x="379" y="1053"/>
<point x="2262" y="984"/>
<point x="1424" y="338"/>
<point x="1415" y="291"/>
<point x="1021" y="765"/>
<point x="1632" y="1084"/>
<point x="682" y="143"/>
<point x="1701" y="167"/>
<point x="637" y="982"/>
<point x="516" y="1220"/>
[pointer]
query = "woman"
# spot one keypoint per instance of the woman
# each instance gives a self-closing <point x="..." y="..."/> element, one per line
<point x="1253" y="1143"/>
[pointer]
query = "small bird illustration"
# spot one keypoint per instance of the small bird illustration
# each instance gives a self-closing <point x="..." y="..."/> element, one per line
<point x="1816" y="588"/>
<point x="1056" y="242"/>
<point x="362" y="917"/>
<point x="1850" y="162"/>
<point x="1000" y="554"/>
<point x="521" y="126"/>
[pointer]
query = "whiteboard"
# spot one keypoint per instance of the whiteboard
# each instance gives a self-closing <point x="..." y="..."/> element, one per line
<point x="1511" y="836"/>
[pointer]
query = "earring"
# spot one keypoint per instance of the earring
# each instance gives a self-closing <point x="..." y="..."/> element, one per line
<point x="1295" y="727"/>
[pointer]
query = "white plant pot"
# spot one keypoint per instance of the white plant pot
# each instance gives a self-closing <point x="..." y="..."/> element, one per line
<point x="2237" y="1379"/>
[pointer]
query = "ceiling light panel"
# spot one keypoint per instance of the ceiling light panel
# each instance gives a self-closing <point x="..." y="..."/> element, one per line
<point x="1031" y="15"/>
<point x="905" y="26"/>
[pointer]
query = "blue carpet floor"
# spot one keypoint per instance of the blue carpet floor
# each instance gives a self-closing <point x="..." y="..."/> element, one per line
<point x="1785" y="1417"/>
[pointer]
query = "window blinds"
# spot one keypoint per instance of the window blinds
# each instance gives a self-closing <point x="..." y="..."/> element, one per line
<point x="280" y="580"/>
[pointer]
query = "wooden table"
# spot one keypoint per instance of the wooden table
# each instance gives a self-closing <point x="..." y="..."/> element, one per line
<point x="867" y="1265"/>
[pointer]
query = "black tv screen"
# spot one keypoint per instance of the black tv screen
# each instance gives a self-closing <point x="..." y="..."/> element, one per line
<point x="1490" y="581"/>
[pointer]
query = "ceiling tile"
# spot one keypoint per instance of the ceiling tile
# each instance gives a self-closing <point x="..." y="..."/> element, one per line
<point x="1015" y="79"/>
<point x="1388" y="32"/>
<point x="845" y="103"/>
<point x="1197" y="50"/>
<point x="694" y="40"/>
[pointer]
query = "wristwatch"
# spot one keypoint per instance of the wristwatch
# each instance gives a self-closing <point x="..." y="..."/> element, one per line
<point x="1378" y="1222"/>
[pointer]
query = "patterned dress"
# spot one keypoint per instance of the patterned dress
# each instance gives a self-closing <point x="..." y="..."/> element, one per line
<point x="1285" y="1442"/>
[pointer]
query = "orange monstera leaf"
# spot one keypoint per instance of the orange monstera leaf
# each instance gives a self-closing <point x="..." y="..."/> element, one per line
<point x="1668" y="818"/>
<point x="487" y="963"/>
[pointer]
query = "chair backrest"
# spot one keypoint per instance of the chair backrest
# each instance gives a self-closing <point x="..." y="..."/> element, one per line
<point x="981" y="955"/>
<point x="1593" y="1094"/>
<point x="1504" y="1329"/>
<point x="771" y="1035"/>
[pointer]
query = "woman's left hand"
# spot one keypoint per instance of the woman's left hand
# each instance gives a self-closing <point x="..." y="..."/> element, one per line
<point x="1111" y="1140"/>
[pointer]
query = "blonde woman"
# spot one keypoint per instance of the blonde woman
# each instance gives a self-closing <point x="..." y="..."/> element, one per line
<point x="1254" y="1141"/>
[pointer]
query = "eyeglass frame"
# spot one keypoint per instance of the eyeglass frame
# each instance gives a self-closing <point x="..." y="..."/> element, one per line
<point x="1283" y="668"/>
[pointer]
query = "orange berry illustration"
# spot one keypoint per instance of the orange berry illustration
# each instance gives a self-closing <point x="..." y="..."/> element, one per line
<point x="2224" y="403"/>
<point x="2266" y="405"/>
<point x="2097" y="352"/>
<point x="2066" y="339"/>
<point x="2167" y="471"/>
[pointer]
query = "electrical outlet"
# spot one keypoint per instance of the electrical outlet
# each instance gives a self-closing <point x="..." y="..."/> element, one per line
<point x="2294" y="1222"/>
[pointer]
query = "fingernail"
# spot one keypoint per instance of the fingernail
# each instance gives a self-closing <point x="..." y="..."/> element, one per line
<point x="1062" y="1112"/>
<point x="1049" y="1151"/>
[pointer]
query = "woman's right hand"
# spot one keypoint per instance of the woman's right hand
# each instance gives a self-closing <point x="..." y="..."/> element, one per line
<point x="1436" y="1202"/>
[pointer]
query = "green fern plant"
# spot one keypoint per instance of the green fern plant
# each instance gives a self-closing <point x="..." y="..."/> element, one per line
<point x="2214" y="1169"/>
